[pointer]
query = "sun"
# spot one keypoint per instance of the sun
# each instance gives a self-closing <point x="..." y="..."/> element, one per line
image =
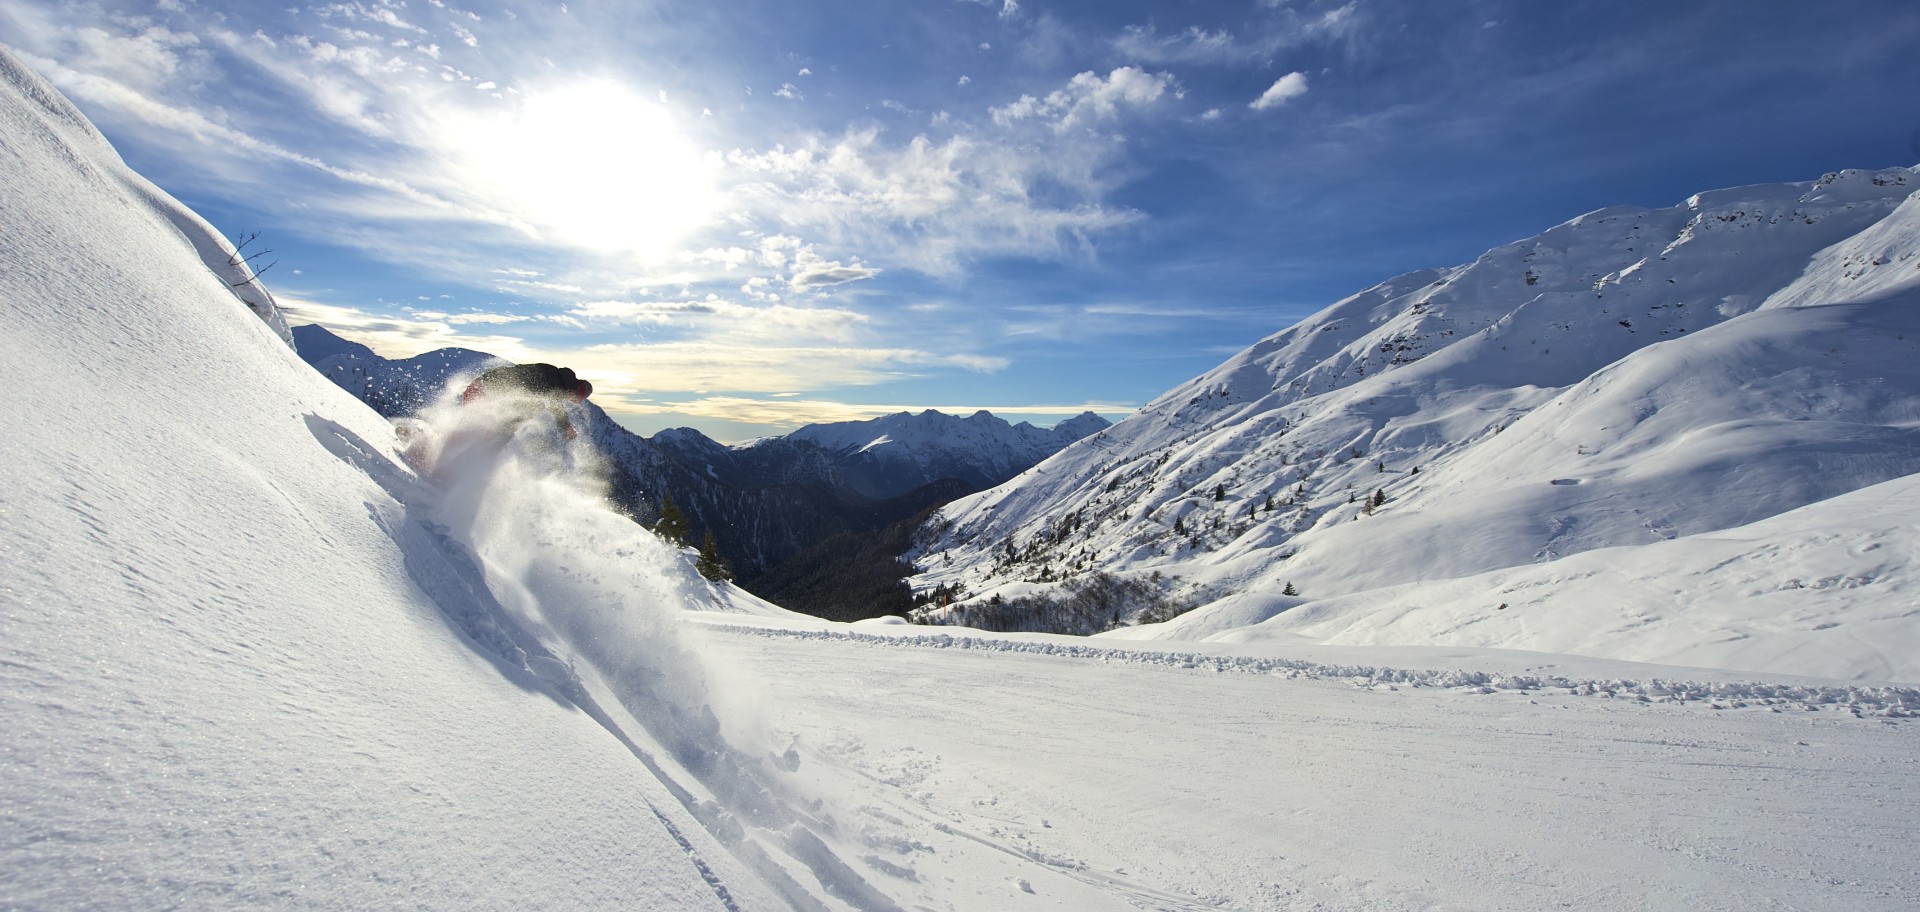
<point x="591" y="164"/>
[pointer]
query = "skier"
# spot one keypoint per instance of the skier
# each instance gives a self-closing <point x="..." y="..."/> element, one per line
<point x="496" y="405"/>
<point x="525" y="389"/>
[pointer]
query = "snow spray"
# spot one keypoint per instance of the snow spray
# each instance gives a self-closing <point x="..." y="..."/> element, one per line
<point x="605" y="597"/>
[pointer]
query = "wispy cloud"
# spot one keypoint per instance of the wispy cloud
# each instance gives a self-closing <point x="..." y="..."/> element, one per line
<point x="1191" y="45"/>
<point x="648" y="369"/>
<point x="472" y="318"/>
<point x="1256" y="40"/>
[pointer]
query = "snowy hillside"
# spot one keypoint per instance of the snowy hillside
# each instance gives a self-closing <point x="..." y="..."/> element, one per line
<point x="1627" y="378"/>
<point x="889" y="456"/>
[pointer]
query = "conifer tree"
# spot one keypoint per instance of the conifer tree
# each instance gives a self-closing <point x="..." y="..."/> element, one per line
<point x="673" y="523"/>
<point x="711" y="565"/>
<point x="1289" y="590"/>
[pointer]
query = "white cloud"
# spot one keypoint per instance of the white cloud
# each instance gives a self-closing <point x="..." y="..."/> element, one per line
<point x="511" y="285"/>
<point x="717" y="321"/>
<point x="638" y="312"/>
<point x="811" y="271"/>
<point x="1285" y="89"/>
<point x="1088" y="96"/>
<point x="1008" y="8"/>
<point x="928" y="205"/>
<point x="150" y="57"/>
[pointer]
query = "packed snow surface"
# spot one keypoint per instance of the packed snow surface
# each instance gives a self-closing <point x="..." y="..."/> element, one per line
<point x="254" y="659"/>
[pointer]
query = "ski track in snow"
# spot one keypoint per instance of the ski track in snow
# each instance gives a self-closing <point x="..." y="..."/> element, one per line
<point x="1860" y="700"/>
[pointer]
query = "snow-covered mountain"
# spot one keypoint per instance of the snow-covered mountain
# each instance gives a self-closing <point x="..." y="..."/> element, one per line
<point x="1631" y="377"/>
<point x="891" y="455"/>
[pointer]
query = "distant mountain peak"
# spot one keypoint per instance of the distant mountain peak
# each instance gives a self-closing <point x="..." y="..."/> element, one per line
<point x="896" y="453"/>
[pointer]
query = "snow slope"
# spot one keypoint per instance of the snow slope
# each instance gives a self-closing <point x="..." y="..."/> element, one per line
<point x="1630" y="377"/>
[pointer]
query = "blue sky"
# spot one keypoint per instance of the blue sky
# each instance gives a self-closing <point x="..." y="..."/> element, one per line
<point x="746" y="216"/>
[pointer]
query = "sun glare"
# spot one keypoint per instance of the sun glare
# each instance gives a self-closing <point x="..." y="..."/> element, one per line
<point x="596" y="165"/>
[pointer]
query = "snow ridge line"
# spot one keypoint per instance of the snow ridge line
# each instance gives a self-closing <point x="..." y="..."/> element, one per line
<point x="1880" y="700"/>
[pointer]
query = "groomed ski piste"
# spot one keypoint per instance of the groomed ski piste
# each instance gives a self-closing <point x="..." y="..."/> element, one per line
<point x="253" y="659"/>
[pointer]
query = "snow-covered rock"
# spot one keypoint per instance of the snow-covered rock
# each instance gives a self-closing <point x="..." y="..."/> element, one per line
<point x="1629" y="377"/>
